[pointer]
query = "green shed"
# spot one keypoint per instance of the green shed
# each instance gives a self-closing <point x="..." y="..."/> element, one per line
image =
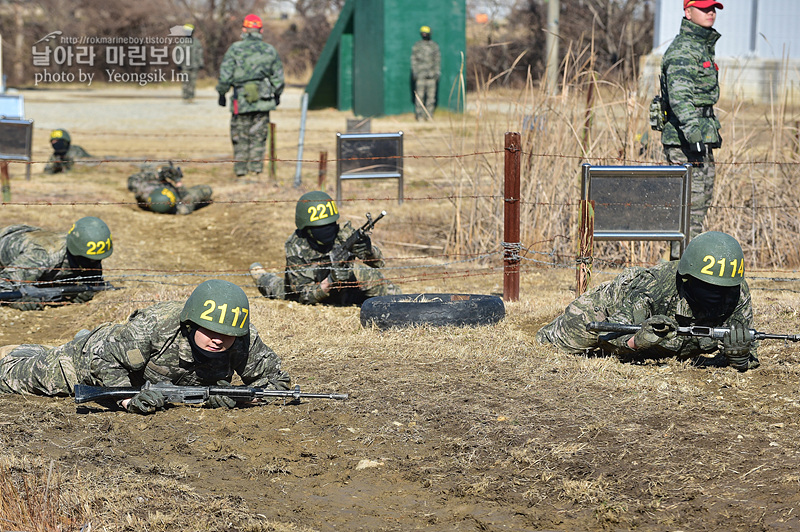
<point x="366" y="63"/>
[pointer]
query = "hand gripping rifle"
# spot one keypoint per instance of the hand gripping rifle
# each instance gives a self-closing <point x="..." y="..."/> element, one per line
<point x="693" y="330"/>
<point x="358" y="234"/>
<point x="195" y="394"/>
<point x="52" y="293"/>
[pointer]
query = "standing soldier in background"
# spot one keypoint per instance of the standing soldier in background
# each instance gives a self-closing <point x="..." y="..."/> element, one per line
<point x="64" y="152"/>
<point x="162" y="190"/>
<point x="254" y="70"/>
<point x="690" y="88"/>
<point x="192" y="62"/>
<point x="425" y="70"/>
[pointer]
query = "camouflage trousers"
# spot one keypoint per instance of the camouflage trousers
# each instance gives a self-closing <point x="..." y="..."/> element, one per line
<point x="425" y="98"/>
<point x="249" y="137"/>
<point x="703" y="174"/>
<point x="568" y="331"/>
<point x="194" y="198"/>
<point x="189" y="83"/>
<point x="368" y="282"/>
<point x="36" y="370"/>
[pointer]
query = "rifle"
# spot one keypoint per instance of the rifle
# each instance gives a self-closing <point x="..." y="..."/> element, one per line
<point x="693" y="330"/>
<point x="52" y="293"/>
<point x="357" y="235"/>
<point x="195" y="394"/>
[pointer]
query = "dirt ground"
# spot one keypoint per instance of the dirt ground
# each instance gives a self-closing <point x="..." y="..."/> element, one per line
<point x="445" y="428"/>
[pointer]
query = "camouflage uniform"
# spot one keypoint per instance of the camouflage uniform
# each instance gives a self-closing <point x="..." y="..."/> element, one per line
<point x="633" y="296"/>
<point x="152" y="346"/>
<point x="64" y="163"/>
<point x="254" y="70"/>
<point x="690" y="86"/>
<point x="147" y="180"/>
<point x="307" y="268"/>
<point x="192" y="63"/>
<point x="29" y="254"/>
<point x="425" y="69"/>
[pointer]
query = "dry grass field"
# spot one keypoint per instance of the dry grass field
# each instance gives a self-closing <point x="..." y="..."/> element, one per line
<point x="446" y="428"/>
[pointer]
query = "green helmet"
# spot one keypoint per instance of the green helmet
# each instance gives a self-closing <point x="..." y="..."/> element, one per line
<point x="314" y="209"/>
<point x="218" y="306"/>
<point x="90" y="237"/>
<point x="161" y="200"/>
<point x="715" y="258"/>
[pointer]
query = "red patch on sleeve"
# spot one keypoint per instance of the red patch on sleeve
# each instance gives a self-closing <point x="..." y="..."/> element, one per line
<point x="706" y="64"/>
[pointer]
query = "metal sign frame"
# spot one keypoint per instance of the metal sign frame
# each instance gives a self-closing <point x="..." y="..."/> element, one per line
<point x="12" y="106"/>
<point x="679" y="233"/>
<point x="365" y="168"/>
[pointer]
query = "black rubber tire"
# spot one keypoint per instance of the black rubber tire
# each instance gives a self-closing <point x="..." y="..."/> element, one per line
<point x="431" y="309"/>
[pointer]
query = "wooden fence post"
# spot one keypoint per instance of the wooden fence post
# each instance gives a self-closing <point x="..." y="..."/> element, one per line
<point x="272" y="150"/>
<point x="583" y="262"/>
<point x="323" y="168"/>
<point x="511" y="215"/>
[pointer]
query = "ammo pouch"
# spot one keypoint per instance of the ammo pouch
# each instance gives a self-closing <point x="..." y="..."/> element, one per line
<point x="251" y="93"/>
<point x="265" y="90"/>
<point x="658" y="113"/>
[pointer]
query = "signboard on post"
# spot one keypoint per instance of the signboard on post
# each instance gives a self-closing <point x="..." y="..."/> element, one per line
<point x="369" y="156"/>
<point x="639" y="202"/>
<point x="16" y="140"/>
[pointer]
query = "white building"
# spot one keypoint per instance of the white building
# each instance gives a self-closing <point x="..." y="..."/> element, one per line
<point x="758" y="54"/>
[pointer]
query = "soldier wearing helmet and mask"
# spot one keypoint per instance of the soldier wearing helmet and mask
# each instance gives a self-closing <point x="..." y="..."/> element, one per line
<point x="706" y="287"/>
<point x="425" y="71"/>
<point x="312" y="274"/>
<point x="64" y="152"/>
<point x="31" y="255"/>
<point x="201" y="342"/>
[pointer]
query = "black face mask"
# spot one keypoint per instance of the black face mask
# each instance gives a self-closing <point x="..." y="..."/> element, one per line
<point x="85" y="270"/>
<point x="710" y="303"/>
<point x="60" y="146"/>
<point x="322" y="237"/>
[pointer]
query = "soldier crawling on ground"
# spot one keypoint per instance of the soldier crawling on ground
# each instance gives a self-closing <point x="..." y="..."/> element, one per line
<point x="64" y="152"/>
<point x="318" y="268"/>
<point x="161" y="190"/>
<point x="203" y="341"/>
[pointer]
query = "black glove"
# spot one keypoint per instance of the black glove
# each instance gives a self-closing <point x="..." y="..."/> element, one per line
<point x="340" y="265"/>
<point x="220" y="401"/>
<point x="655" y="330"/>
<point x="146" y="402"/>
<point x="221" y="100"/>
<point x="277" y="99"/>
<point x="27" y="303"/>
<point x="736" y="346"/>
<point x="363" y="248"/>
<point x="697" y="147"/>
<point x="83" y="297"/>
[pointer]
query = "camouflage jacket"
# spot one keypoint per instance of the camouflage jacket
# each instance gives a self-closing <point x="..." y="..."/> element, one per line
<point x="306" y="268"/>
<point x="425" y="60"/>
<point x="59" y="163"/>
<point x="30" y="254"/>
<point x="638" y="293"/>
<point x="251" y="60"/>
<point x="690" y="86"/>
<point x="147" y="180"/>
<point x="193" y="59"/>
<point x="153" y="346"/>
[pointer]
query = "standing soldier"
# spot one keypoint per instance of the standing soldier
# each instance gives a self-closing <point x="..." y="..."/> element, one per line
<point x="314" y="274"/>
<point x="690" y="88"/>
<point x="64" y="152"/>
<point x="192" y="62"/>
<point x="425" y="70"/>
<point x="162" y="191"/>
<point x="254" y="70"/>
<point x="30" y="255"/>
